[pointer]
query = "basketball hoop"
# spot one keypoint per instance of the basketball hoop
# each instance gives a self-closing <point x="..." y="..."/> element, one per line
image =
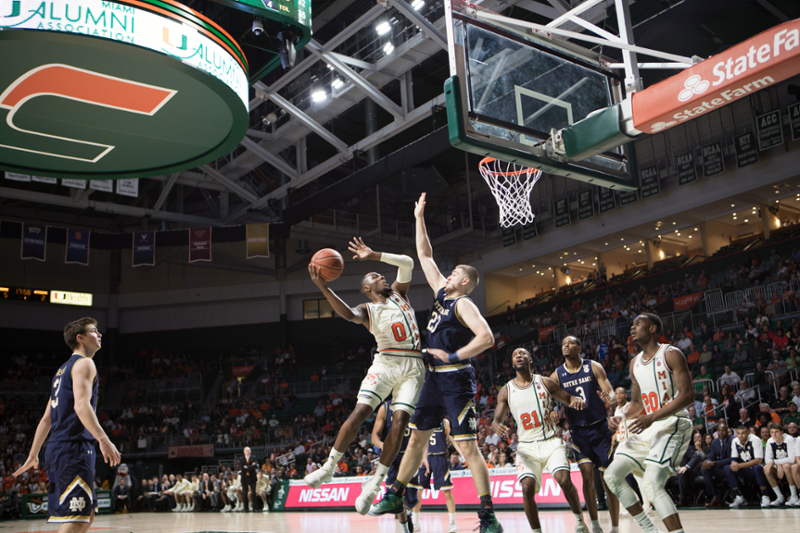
<point x="511" y="186"/>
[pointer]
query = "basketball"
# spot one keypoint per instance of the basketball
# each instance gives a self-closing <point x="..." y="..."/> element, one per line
<point x="330" y="263"/>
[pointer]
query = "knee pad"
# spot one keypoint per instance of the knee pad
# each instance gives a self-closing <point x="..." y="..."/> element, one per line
<point x="653" y="484"/>
<point x="614" y="477"/>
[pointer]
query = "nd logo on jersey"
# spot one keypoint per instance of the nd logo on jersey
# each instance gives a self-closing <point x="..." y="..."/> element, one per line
<point x="77" y="504"/>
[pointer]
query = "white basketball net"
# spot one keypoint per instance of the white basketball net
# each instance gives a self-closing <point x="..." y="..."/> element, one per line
<point x="511" y="186"/>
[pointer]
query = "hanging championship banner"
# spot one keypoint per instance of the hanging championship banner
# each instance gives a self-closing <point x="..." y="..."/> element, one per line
<point x="199" y="244"/>
<point x="128" y="187"/>
<point x="77" y="247"/>
<point x="102" y="185"/>
<point x="144" y="248"/>
<point x="34" y="238"/>
<point x="257" y="240"/>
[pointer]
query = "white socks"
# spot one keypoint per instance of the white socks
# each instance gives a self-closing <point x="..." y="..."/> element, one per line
<point x="415" y="518"/>
<point x="536" y="530"/>
<point x="614" y="529"/>
<point x="778" y="492"/>
<point x="793" y="490"/>
<point x="335" y="456"/>
<point x="452" y="518"/>
<point x="596" y="524"/>
<point x="645" y="522"/>
<point x="578" y="517"/>
<point x="381" y="471"/>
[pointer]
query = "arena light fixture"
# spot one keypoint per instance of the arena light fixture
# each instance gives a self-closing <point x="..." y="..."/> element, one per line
<point x="337" y="83"/>
<point x="383" y="27"/>
<point x="417" y="4"/>
<point x="318" y="95"/>
<point x="388" y="48"/>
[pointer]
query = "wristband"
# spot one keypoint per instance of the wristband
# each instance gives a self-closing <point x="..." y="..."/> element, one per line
<point x="453" y="358"/>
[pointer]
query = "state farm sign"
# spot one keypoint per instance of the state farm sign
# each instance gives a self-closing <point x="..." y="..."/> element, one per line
<point x="766" y="59"/>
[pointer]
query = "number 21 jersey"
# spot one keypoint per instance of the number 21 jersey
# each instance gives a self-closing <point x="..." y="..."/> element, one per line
<point x="445" y="330"/>
<point x="529" y="405"/>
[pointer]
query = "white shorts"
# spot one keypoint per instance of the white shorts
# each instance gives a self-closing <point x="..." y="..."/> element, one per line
<point x="534" y="457"/>
<point x="401" y="376"/>
<point x="662" y="444"/>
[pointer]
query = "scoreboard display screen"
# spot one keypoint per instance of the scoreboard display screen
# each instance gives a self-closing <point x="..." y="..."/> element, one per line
<point x="297" y="10"/>
<point x="25" y="294"/>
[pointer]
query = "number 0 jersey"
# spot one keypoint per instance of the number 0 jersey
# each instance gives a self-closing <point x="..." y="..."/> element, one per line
<point x="582" y="383"/>
<point x="529" y="406"/>
<point x="394" y="326"/>
<point x="445" y="329"/>
<point x="64" y="422"/>
<point x="656" y="381"/>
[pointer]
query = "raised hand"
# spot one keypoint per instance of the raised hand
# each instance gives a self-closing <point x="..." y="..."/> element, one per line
<point x="362" y="251"/>
<point x="419" y="206"/>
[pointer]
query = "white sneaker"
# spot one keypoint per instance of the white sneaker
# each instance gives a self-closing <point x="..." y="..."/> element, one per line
<point x="191" y="508"/>
<point x="177" y="508"/>
<point x="321" y="475"/>
<point x="453" y="528"/>
<point x="764" y="501"/>
<point x="780" y="501"/>
<point x="597" y="529"/>
<point x="737" y="502"/>
<point x="794" y="501"/>
<point x="368" y="492"/>
<point x="581" y="528"/>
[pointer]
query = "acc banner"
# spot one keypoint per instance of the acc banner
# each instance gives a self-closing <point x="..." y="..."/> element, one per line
<point x="77" y="247"/>
<point x="257" y="240"/>
<point x="33" y="242"/>
<point x="199" y="244"/>
<point x="144" y="248"/>
<point x="685" y="302"/>
<point x="545" y="332"/>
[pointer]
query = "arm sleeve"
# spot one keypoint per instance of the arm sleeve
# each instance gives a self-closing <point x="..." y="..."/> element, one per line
<point x="404" y="264"/>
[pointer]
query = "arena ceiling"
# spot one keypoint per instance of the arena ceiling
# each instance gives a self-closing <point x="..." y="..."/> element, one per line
<point x="378" y="103"/>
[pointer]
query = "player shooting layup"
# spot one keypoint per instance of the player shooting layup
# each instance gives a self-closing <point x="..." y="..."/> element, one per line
<point x="589" y="428"/>
<point x="397" y="368"/>
<point x="73" y="426"/>
<point x="528" y="398"/>
<point x="661" y="386"/>
<point x="456" y="333"/>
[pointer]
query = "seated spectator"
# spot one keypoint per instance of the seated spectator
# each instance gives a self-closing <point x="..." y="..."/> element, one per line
<point x="779" y="457"/>
<point x="745" y="395"/>
<point x="719" y="335"/>
<point x="713" y="467"/>
<point x="793" y="417"/>
<point x="778" y="369"/>
<point x="688" y="470"/>
<point x="705" y="356"/>
<point x="746" y="458"/>
<point x="684" y="343"/>
<point x="744" y="419"/>
<point x="796" y="393"/>
<point x="780" y="341"/>
<point x="763" y="409"/>
<point x="741" y="354"/>
<point x="729" y="377"/>
<point x="697" y="421"/>
<point x="703" y="375"/>
<point x="693" y="356"/>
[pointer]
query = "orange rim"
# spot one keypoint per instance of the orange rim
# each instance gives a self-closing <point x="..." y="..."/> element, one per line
<point x="486" y="160"/>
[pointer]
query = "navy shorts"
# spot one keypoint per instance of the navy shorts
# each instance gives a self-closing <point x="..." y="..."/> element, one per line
<point x="593" y="444"/>
<point x="440" y="473"/>
<point x="70" y="468"/>
<point x="450" y="394"/>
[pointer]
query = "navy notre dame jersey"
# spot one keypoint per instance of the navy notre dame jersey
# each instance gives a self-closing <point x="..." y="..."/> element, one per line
<point x="388" y="427"/>
<point x="65" y="425"/>
<point x="582" y="383"/>
<point x="445" y="330"/>
<point x="437" y="444"/>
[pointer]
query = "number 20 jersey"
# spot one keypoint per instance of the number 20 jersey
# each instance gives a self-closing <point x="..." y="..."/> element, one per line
<point x="656" y="381"/>
<point x="65" y="425"/>
<point x="530" y="407"/>
<point x="445" y="330"/>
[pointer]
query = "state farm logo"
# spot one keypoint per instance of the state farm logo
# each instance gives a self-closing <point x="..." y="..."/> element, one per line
<point x="694" y="85"/>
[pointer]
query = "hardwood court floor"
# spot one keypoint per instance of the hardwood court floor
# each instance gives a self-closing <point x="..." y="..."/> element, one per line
<point x="700" y="521"/>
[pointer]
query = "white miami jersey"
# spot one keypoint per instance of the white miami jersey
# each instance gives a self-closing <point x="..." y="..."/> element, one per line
<point x="656" y="381"/>
<point x="529" y="406"/>
<point x="394" y="326"/>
